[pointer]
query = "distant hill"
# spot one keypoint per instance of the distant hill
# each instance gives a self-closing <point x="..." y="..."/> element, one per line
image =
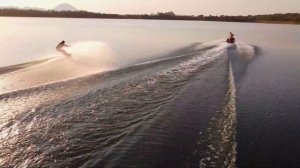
<point x="65" y="7"/>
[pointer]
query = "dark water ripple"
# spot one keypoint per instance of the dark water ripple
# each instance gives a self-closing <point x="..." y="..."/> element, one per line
<point x="87" y="129"/>
<point x="177" y="112"/>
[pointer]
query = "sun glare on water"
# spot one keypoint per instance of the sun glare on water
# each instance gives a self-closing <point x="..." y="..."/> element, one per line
<point x="87" y="58"/>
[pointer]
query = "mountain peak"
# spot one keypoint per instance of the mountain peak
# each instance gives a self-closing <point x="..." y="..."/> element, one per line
<point x="65" y="7"/>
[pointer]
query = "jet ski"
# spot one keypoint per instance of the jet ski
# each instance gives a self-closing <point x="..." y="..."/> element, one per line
<point x="231" y="39"/>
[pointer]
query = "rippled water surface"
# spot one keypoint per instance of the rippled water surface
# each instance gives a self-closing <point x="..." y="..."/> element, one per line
<point x="152" y="93"/>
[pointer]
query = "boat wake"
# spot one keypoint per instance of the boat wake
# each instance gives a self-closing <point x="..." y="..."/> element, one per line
<point x="124" y="116"/>
<point x="87" y="58"/>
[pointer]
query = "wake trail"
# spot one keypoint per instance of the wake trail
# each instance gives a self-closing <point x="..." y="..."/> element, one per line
<point x="218" y="149"/>
<point x="88" y="58"/>
<point x="98" y="119"/>
<point x="88" y="111"/>
<point x="221" y="141"/>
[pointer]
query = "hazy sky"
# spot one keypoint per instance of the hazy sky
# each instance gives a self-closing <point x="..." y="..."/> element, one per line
<point x="196" y="7"/>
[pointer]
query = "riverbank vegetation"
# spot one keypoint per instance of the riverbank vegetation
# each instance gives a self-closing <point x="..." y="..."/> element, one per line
<point x="289" y="18"/>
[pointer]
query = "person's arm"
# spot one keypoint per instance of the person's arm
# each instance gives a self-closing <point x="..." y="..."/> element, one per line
<point x="66" y="45"/>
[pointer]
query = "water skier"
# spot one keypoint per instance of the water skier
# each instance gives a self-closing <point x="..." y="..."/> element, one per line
<point x="60" y="49"/>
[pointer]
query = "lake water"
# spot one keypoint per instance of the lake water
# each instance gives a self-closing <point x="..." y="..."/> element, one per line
<point x="32" y="38"/>
<point x="149" y="93"/>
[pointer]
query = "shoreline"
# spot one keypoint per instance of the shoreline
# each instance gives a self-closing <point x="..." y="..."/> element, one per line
<point x="259" y="22"/>
<point x="278" y="18"/>
<point x="278" y="22"/>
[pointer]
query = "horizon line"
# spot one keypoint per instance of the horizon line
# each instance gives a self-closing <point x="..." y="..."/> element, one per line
<point x="98" y="12"/>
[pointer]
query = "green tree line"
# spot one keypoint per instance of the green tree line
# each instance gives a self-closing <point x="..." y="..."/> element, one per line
<point x="287" y="17"/>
